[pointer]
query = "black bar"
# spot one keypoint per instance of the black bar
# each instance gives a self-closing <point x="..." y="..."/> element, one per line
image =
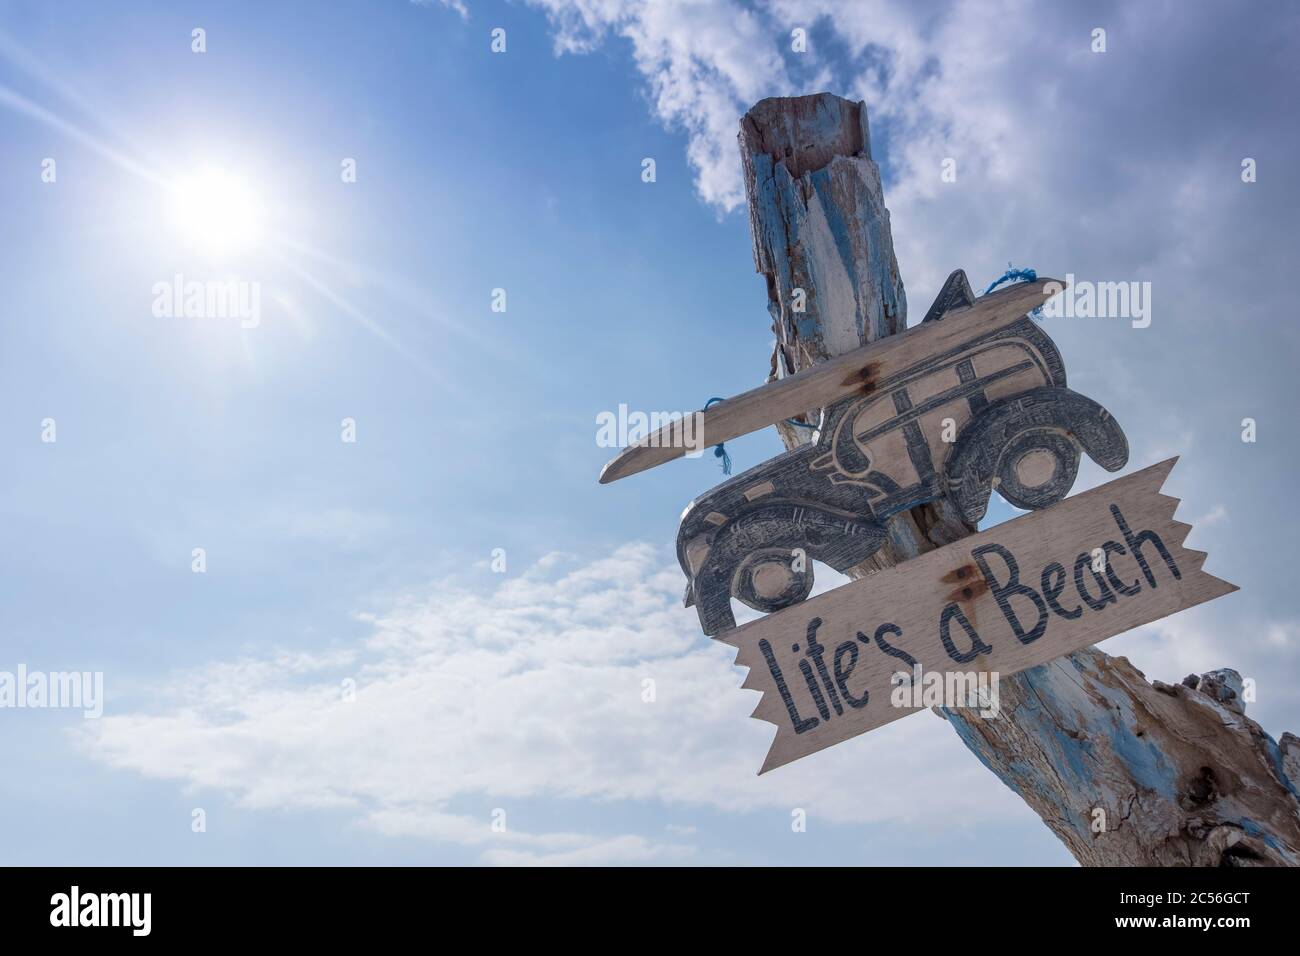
<point x="916" y="906"/>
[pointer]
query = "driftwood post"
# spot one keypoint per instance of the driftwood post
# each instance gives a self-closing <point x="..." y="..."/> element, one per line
<point x="1124" y="771"/>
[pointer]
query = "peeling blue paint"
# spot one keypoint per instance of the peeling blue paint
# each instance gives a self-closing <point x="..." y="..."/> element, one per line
<point x="1275" y="761"/>
<point x="821" y="182"/>
<point x="974" y="744"/>
<point x="1071" y="750"/>
<point x="1258" y="832"/>
<point x="779" y="205"/>
<point x="1144" y="760"/>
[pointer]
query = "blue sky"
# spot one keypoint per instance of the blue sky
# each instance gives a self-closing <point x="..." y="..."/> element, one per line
<point x="369" y="561"/>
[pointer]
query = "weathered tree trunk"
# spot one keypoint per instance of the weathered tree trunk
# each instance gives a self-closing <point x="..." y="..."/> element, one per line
<point x="1179" y="774"/>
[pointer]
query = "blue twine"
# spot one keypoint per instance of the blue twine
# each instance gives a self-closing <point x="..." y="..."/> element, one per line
<point x="720" y="450"/>
<point x="1017" y="275"/>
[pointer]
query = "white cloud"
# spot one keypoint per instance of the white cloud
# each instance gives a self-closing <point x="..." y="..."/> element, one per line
<point x="457" y="5"/>
<point x="704" y="63"/>
<point x="623" y="849"/>
<point x="532" y="690"/>
<point x="948" y="80"/>
<point x="997" y="85"/>
<point x="1214" y="516"/>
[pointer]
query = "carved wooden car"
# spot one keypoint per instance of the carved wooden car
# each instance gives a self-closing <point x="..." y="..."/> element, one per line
<point x="991" y="411"/>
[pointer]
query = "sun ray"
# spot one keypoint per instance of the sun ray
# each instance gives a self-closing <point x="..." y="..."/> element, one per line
<point x="414" y="297"/>
<point x="366" y="322"/>
<point x="20" y="104"/>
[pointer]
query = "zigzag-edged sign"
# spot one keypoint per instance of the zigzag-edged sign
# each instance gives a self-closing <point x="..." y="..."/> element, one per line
<point x="1012" y="597"/>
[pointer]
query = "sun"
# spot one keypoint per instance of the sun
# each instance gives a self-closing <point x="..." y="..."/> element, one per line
<point x="217" y="211"/>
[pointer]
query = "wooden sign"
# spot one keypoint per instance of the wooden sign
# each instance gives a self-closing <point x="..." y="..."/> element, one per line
<point x="973" y="399"/>
<point x="1015" y="596"/>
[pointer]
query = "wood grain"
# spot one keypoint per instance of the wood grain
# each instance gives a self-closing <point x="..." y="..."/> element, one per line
<point x="1007" y="599"/>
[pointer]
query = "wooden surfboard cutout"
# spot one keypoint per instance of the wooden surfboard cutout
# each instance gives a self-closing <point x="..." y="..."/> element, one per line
<point x="853" y="373"/>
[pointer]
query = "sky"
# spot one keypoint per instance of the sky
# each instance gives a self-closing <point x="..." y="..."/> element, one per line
<point x="352" y="678"/>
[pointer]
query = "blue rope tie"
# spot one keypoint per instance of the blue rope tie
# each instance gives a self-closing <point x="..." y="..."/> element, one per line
<point x="1017" y="275"/>
<point x="720" y="450"/>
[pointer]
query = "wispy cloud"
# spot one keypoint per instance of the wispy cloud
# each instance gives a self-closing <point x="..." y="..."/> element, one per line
<point x="704" y="65"/>
<point x="532" y="689"/>
<point x="457" y="5"/>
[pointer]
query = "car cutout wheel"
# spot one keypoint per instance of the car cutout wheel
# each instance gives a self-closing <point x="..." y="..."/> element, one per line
<point x="1038" y="468"/>
<point x="773" y="578"/>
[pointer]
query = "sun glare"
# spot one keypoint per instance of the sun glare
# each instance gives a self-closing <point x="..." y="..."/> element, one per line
<point x="216" y="211"/>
